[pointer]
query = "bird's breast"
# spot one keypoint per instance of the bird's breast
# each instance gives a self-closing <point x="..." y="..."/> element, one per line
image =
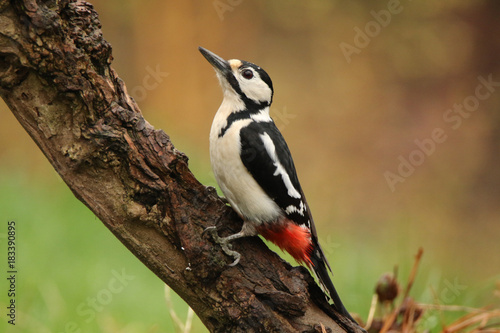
<point x="246" y="196"/>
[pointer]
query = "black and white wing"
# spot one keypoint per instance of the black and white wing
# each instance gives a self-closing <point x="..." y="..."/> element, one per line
<point x="266" y="156"/>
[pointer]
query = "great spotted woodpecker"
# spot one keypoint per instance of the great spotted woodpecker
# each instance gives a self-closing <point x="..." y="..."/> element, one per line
<point x="254" y="169"/>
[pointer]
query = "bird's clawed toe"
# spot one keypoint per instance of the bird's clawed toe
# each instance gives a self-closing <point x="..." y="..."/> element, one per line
<point x="212" y="231"/>
<point x="225" y="244"/>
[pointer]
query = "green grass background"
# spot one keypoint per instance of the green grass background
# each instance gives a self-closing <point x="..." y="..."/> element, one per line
<point x="65" y="255"/>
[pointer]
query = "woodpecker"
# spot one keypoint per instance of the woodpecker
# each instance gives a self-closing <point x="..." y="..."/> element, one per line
<point x="254" y="169"/>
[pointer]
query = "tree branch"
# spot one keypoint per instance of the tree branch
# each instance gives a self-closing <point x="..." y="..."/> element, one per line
<point x="55" y="76"/>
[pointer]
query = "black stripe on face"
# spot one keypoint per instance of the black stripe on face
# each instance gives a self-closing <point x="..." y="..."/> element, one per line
<point x="262" y="73"/>
<point x="250" y="104"/>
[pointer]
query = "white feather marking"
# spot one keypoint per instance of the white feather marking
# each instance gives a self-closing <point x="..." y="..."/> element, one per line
<point x="293" y="209"/>
<point x="262" y="117"/>
<point x="255" y="88"/>
<point x="280" y="170"/>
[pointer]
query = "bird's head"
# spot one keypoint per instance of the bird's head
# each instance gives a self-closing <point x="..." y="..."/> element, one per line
<point x="242" y="79"/>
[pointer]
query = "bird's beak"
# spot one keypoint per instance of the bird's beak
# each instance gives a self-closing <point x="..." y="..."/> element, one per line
<point x="219" y="64"/>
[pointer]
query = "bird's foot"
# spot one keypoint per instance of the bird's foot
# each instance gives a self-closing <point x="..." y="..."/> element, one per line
<point x="225" y="244"/>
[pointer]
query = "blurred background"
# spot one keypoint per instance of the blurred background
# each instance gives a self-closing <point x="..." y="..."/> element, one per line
<point x="390" y="109"/>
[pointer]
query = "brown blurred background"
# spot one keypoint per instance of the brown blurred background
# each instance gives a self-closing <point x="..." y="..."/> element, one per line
<point x="350" y="104"/>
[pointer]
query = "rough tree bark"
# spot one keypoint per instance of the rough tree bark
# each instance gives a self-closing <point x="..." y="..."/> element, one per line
<point x="55" y="76"/>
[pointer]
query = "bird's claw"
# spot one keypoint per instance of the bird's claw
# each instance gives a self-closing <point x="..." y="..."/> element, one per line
<point x="225" y="245"/>
<point x="234" y="254"/>
<point x="212" y="231"/>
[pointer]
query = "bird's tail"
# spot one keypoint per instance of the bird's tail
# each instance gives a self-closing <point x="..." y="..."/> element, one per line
<point x="321" y="268"/>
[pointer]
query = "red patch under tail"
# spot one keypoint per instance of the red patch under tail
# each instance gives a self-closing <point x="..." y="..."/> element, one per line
<point x="291" y="238"/>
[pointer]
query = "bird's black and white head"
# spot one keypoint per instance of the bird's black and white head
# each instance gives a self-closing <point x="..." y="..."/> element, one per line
<point x="242" y="81"/>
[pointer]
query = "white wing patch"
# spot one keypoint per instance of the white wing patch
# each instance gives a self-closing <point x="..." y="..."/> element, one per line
<point x="280" y="170"/>
<point x="293" y="209"/>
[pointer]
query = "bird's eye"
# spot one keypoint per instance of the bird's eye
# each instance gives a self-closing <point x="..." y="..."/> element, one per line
<point x="247" y="74"/>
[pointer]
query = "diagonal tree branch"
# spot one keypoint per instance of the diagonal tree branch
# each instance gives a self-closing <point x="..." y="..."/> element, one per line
<point x="56" y="78"/>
